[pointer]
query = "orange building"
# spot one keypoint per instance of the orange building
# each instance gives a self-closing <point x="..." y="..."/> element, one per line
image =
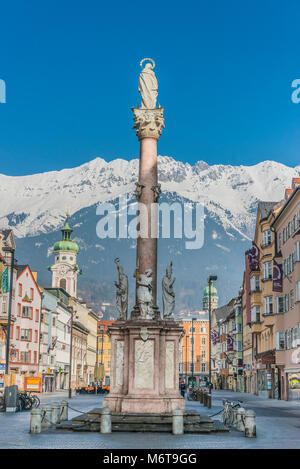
<point x="194" y="348"/>
<point x="104" y="347"/>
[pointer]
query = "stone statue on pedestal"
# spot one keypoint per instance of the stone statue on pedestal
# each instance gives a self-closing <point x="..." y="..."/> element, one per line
<point x="168" y="294"/>
<point x="144" y="295"/>
<point x="122" y="292"/>
<point x="148" y="86"/>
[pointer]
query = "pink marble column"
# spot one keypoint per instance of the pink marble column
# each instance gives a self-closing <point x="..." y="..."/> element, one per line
<point x="147" y="247"/>
<point x="148" y="125"/>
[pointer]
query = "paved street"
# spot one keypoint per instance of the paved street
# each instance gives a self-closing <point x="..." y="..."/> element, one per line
<point x="278" y="426"/>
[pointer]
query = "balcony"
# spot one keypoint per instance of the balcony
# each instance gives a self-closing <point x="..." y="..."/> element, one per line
<point x="268" y="320"/>
<point x="256" y="327"/>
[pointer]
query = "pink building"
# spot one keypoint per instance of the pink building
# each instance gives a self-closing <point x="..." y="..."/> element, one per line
<point x="287" y="323"/>
<point x="26" y="328"/>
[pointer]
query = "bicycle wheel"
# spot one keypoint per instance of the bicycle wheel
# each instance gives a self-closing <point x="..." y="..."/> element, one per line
<point x="35" y="401"/>
<point x="2" y="404"/>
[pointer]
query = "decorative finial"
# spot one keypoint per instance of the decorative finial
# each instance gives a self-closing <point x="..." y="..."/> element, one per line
<point x="68" y="212"/>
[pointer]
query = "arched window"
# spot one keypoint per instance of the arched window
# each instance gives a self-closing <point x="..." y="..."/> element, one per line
<point x="63" y="283"/>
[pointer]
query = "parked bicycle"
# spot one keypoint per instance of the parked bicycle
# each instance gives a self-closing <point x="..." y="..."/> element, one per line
<point x="27" y="401"/>
<point x="2" y="402"/>
<point x="228" y="414"/>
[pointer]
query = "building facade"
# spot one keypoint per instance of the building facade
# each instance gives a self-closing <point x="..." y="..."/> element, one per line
<point x="25" y="333"/>
<point x="287" y="327"/>
<point x="104" y="349"/>
<point x="194" y="348"/>
<point x="55" y="339"/>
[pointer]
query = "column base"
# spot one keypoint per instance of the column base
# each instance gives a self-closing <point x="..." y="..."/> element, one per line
<point x="144" y="404"/>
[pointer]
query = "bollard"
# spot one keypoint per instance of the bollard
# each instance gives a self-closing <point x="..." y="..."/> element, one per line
<point x="240" y="416"/>
<point x="55" y="413"/>
<point x="204" y="398"/>
<point x="234" y="417"/>
<point x="177" y="422"/>
<point x="208" y="401"/>
<point x="46" y="416"/>
<point x="105" y="426"/>
<point x="250" y="424"/>
<point x="36" y="421"/>
<point x="63" y="411"/>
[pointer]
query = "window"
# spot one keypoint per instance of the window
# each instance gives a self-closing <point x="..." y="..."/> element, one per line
<point x="192" y="329"/>
<point x="298" y="291"/>
<point x="292" y="299"/>
<point x="26" y="334"/>
<point x="267" y="270"/>
<point x="26" y="312"/>
<point x="31" y="293"/>
<point x="297" y="251"/>
<point x="280" y="240"/>
<point x="35" y="357"/>
<point x="268" y="300"/>
<point x="20" y="289"/>
<point x="280" y="304"/>
<point x="280" y="341"/>
<point x="286" y="301"/>
<point x="203" y="366"/>
<point x="255" y="283"/>
<point x="37" y="315"/>
<point x="267" y="237"/>
<point x="255" y="314"/>
<point x="36" y="336"/>
<point x="203" y="340"/>
<point x="25" y="357"/>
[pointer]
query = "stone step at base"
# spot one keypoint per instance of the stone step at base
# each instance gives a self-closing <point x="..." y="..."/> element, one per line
<point x="193" y="423"/>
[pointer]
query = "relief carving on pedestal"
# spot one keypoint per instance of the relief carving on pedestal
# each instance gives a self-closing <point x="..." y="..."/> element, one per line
<point x="170" y="363"/>
<point x="144" y="364"/>
<point x="119" y="362"/>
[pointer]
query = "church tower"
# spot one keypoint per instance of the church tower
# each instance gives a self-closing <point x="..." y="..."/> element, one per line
<point x="65" y="269"/>
<point x="214" y="298"/>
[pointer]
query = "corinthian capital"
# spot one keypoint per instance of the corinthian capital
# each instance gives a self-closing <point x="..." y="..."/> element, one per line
<point x="148" y="122"/>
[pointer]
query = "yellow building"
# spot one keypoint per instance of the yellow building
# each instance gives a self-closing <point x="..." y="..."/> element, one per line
<point x="104" y="348"/>
<point x="259" y="306"/>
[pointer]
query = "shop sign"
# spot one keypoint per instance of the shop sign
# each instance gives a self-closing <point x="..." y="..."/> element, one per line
<point x="32" y="384"/>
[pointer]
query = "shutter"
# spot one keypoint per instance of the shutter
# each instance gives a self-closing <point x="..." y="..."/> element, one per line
<point x="277" y="340"/>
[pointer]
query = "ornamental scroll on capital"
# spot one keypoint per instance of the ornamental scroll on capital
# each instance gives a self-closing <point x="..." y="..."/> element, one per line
<point x="148" y="123"/>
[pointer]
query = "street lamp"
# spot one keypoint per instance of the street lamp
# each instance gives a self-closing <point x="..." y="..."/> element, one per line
<point x="193" y="319"/>
<point x="211" y="279"/>
<point x="186" y="362"/>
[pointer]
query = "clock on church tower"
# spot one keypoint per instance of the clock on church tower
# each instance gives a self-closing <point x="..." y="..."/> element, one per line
<point x="65" y="269"/>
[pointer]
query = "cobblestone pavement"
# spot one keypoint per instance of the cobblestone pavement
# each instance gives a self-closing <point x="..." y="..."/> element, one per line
<point x="278" y="426"/>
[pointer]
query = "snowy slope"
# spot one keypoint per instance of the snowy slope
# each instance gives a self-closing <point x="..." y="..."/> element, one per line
<point x="36" y="204"/>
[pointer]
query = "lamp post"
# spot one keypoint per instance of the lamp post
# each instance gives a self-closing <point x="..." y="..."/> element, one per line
<point x="193" y="319"/>
<point x="211" y="278"/>
<point x="71" y="348"/>
<point x="12" y="252"/>
<point x="186" y="362"/>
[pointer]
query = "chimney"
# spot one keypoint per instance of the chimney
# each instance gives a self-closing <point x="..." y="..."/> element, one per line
<point x="288" y="192"/>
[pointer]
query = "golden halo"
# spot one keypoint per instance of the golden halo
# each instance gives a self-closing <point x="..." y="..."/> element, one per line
<point x="151" y="60"/>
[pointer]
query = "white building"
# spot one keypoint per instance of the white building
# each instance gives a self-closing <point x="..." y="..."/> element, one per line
<point x="55" y="339"/>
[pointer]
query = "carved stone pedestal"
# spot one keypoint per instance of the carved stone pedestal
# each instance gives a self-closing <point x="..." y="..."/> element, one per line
<point x="145" y="367"/>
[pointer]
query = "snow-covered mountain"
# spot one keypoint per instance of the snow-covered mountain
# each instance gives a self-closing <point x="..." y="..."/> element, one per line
<point x="36" y="204"/>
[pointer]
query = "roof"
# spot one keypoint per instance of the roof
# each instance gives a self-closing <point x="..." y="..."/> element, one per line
<point x="265" y="208"/>
<point x="224" y="311"/>
<point x="80" y="327"/>
<point x="285" y="205"/>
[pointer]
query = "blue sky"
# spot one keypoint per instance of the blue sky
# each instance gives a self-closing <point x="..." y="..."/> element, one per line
<point x="224" y="70"/>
